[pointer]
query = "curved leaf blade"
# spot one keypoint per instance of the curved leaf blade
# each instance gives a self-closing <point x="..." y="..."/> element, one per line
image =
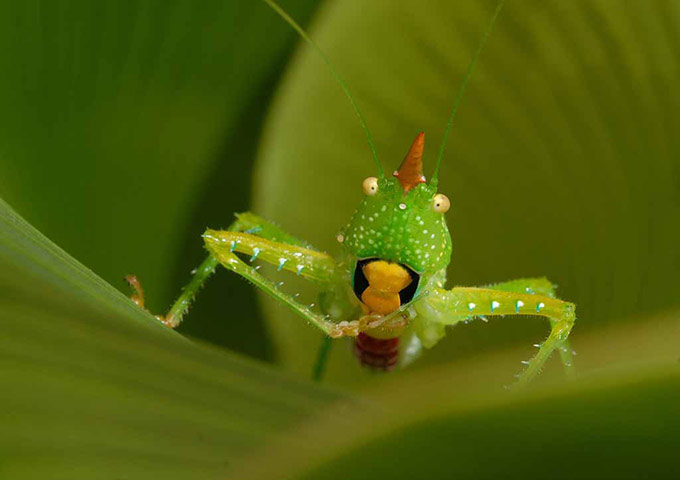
<point x="96" y="388"/>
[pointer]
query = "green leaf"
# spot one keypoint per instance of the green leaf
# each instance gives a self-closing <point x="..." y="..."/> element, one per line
<point x="93" y="387"/>
<point x="600" y="429"/>
<point x="563" y="159"/>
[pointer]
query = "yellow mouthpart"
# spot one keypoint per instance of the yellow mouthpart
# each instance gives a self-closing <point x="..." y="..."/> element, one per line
<point x="385" y="281"/>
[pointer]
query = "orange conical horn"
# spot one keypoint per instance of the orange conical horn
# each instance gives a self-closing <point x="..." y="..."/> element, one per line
<point x="410" y="172"/>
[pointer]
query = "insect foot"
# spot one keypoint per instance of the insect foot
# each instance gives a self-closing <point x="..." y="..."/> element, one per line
<point x="138" y="294"/>
<point x="138" y="297"/>
<point x="367" y="322"/>
<point x="345" y="329"/>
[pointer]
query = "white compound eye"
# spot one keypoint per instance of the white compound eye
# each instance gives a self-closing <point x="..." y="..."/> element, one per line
<point x="441" y="203"/>
<point x="370" y="186"/>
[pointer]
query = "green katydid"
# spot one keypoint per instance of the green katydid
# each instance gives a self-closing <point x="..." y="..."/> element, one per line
<point x="387" y="287"/>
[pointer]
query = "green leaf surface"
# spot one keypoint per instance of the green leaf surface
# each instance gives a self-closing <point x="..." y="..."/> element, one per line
<point x="93" y="387"/>
<point x="599" y="429"/>
<point x="563" y="160"/>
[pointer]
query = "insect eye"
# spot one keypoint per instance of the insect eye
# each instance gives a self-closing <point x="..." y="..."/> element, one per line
<point x="441" y="203"/>
<point x="370" y="186"/>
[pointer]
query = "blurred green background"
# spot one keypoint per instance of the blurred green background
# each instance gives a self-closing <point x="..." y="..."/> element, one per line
<point x="129" y="127"/>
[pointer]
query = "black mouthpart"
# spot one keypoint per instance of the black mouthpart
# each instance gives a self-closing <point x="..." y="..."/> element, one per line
<point x="361" y="282"/>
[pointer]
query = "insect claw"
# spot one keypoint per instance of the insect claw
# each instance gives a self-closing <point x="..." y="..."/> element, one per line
<point x="484" y="319"/>
<point x="524" y="362"/>
<point x="537" y="345"/>
<point x="138" y="295"/>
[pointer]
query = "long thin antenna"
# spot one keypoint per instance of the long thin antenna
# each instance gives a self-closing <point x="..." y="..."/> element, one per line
<point x="461" y="91"/>
<point x="289" y="20"/>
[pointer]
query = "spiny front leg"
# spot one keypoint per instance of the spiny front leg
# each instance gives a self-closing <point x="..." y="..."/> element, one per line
<point x="540" y="286"/>
<point x="316" y="266"/>
<point x="311" y="264"/>
<point x="245" y="222"/>
<point x="452" y="306"/>
<point x="533" y="286"/>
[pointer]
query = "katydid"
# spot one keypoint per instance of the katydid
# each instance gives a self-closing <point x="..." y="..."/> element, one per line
<point x="387" y="287"/>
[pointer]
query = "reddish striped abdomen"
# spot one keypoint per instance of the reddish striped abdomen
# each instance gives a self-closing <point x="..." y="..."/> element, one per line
<point x="376" y="353"/>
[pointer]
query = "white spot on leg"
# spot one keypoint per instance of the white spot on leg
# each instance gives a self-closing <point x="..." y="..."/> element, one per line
<point x="256" y="252"/>
<point x="282" y="262"/>
<point x="471" y="306"/>
<point x="494" y="305"/>
<point x="540" y="306"/>
<point x="299" y="269"/>
<point x="518" y="305"/>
